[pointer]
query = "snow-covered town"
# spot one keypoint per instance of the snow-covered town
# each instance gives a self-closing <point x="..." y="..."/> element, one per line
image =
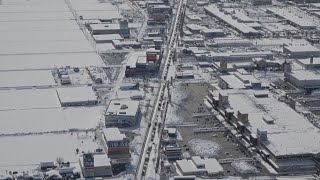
<point x="159" y="89"/>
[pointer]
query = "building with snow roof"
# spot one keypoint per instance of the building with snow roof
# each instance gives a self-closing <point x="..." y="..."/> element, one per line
<point x="284" y="138"/>
<point x="95" y="165"/>
<point x="122" y="113"/>
<point x="117" y="145"/>
<point x="77" y="96"/>
<point x="199" y="166"/>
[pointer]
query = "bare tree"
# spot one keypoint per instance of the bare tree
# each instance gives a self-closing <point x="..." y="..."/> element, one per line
<point x="59" y="160"/>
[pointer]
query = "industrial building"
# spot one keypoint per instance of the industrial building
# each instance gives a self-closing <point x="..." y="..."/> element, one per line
<point x="231" y="42"/>
<point x="292" y="18"/>
<point x="309" y="63"/>
<point x="198" y="166"/>
<point x="193" y="17"/>
<point x="224" y="16"/>
<point x="261" y="2"/>
<point x="212" y="33"/>
<point x="193" y="41"/>
<point x="117" y="145"/>
<point x="237" y="80"/>
<point x="77" y="96"/>
<point x="195" y="28"/>
<point x="284" y="138"/>
<point x="239" y="56"/>
<point x="126" y="44"/>
<point x="106" y="38"/>
<point x="233" y="66"/>
<point x="306" y="79"/>
<point x="304" y="51"/>
<point x="121" y="28"/>
<point x="305" y="1"/>
<point x="95" y="165"/>
<point x="122" y="113"/>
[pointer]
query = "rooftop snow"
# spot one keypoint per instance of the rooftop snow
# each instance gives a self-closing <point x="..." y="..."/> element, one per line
<point x="306" y="75"/>
<point x="113" y="134"/>
<point x="123" y="107"/>
<point x="290" y="134"/>
<point x="101" y="160"/>
<point x="303" y="48"/>
<point x="233" y="82"/>
<point x="76" y="94"/>
<point x="104" y="37"/>
<point x="306" y="61"/>
<point x="228" y="19"/>
<point x="115" y="14"/>
<point x="292" y="16"/>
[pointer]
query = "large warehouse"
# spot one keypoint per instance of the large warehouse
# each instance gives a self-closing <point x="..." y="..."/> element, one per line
<point x="230" y="21"/>
<point x="304" y="78"/>
<point x="283" y="137"/>
<point x="301" y="51"/>
<point x="77" y="96"/>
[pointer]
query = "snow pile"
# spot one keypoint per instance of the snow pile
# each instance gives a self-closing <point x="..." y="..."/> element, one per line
<point x="244" y="167"/>
<point x="204" y="148"/>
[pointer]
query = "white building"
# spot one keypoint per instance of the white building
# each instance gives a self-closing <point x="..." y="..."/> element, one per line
<point x="122" y="113"/>
<point x="121" y="28"/>
<point x="293" y="17"/>
<point x="283" y="137"/>
<point x="198" y="166"/>
<point x="304" y="78"/>
<point x="106" y="38"/>
<point x="304" y="51"/>
<point x="239" y="81"/>
<point x="95" y="165"/>
<point x="239" y="56"/>
<point x="77" y="96"/>
<point x="117" y="145"/>
<point x="225" y="17"/>
<point x="232" y="42"/>
<point x="309" y="63"/>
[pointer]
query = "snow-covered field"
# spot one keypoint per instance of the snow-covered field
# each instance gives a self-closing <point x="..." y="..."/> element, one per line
<point x="28" y="99"/>
<point x="23" y="152"/>
<point x="49" y="120"/>
<point x="204" y="148"/>
<point x="26" y="78"/>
